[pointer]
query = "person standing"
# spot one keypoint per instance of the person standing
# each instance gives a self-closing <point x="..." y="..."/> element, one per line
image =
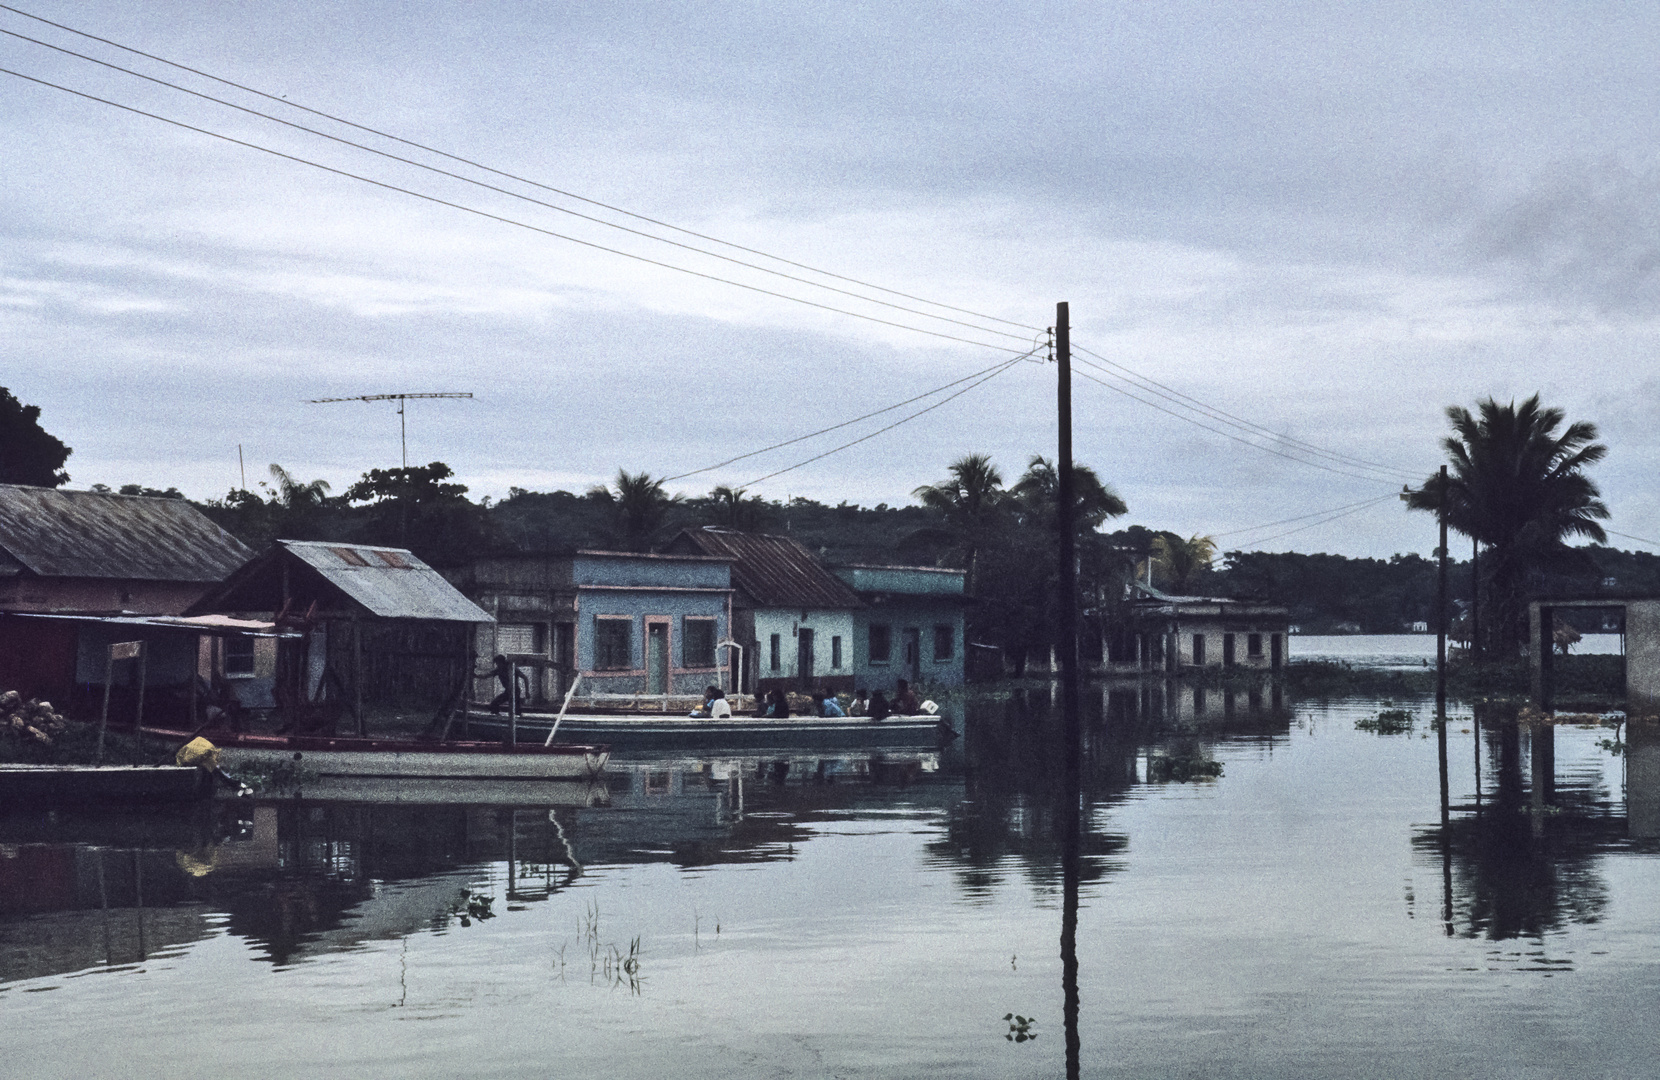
<point x="905" y="701"/>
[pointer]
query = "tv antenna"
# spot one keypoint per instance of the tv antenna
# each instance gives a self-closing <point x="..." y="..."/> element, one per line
<point x="403" y="424"/>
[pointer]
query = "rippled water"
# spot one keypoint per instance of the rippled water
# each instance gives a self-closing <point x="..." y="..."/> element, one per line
<point x="1305" y="913"/>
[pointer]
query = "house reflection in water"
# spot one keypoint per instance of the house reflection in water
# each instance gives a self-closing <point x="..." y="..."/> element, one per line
<point x="1523" y="857"/>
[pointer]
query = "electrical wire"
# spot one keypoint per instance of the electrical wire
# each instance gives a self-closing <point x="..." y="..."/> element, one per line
<point x="1300" y="517"/>
<point x="1187" y="401"/>
<point x="1317" y="524"/>
<point x="516" y="178"/>
<point x="1006" y="365"/>
<point x="1628" y="536"/>
<point x="500" y="218"/>
<point x="844" y="423"/>
<point x="508" y="192"/>
<point x="1230" y="435"/>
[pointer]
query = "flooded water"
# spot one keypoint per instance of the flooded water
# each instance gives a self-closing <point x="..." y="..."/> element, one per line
<point x="1267" y="891"/>
<point x="1406" y="651"/>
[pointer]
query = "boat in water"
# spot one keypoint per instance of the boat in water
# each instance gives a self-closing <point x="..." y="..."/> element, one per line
<point x="660" y="732"/>
<point x="403" y="759"/>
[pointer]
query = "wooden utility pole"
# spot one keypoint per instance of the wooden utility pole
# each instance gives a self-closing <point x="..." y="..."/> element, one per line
<point x="1441" y="602"/>
<point x="1071" y="727"/>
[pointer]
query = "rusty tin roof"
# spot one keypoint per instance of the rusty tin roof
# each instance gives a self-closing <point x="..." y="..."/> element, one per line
<point x="773" y="571"/>
<point x="89" y="534"/>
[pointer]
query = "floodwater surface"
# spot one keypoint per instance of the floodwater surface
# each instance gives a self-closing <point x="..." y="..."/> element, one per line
<point x="1302" y="911"/>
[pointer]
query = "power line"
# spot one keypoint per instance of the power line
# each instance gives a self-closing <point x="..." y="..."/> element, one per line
<point x="844" y="423"/>
<point x="1006" y="365"/>
<point x="1326" y="521"/>
<point x="1228" y="434"/>
<point x="1628" y="536"/>
<point x="508" y="192"/>
<point x="519" y="179"/>
<point x="500" y="218"/>
<point x="1187" y="401"/>
<point x="1301" y="517"/>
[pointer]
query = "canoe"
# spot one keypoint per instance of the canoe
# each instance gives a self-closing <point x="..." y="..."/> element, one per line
<point x="654" y="731"/>
<point x="406" y="759"/>
<point x="103" y="783"/>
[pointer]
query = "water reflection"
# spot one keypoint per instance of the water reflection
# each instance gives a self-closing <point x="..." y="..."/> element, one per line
<point x="1523" y="856"/>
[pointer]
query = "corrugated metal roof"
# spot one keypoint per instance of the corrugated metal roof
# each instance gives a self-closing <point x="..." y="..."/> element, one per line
<point x="388" y="582"/>
<point x="774" y="571"/>
<point x="88" y="534"/>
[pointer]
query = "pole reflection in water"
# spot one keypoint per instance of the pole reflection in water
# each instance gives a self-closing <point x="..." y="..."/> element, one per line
<point x="1069" y="918"/>
<point x="1446" y="820"/>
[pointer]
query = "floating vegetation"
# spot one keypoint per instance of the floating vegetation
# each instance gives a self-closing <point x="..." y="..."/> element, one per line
<point x="283" y="776"/>
<point x="1020" y="1028"/>
<point x="469" y="905"/>
<point x="1181" y="769"/>
<point x="1387" y="722"/>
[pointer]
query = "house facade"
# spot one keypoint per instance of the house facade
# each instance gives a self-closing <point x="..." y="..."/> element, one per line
<point x="794" y="620"/>
<point x="1175" y="633"/>
<point x="79" y="556"/>
<point x="909" y="625"/>
<point x="628" y="623"/>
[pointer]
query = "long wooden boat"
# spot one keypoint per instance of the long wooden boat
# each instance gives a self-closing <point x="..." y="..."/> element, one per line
<point x="655" y="731"/>
<point x="52" y="784"/>
<point x="407" y="759"/>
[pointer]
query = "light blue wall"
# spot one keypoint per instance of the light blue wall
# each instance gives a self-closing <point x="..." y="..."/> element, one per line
<point x="638" y="606"/>
<point x="664" y="571"/>
<point x="901" y="614"/>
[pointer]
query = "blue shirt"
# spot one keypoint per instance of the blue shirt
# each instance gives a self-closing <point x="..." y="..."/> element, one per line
<point x="831" y="707"/>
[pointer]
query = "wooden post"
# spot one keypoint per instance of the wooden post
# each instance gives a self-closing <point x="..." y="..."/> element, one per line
<point x="1071" y="727"/>
<point x="104" y="715"/>
<point x="357" y="675"/>
<point x="1441" y="605"/>
<point x="138" y="717"/>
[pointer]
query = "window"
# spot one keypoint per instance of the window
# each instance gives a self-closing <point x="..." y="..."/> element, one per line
<point x="699" y="645"/>
<point x="1198" y="650"/>
<point x="239" y="656"/>
<point x="881" y="643"/>
<point x="773" y="654"/>
<point x="836" y="652"/>
<point x="944" y="643"/>
<point x="613" y="643"/>
<point x="1253" y="645"/>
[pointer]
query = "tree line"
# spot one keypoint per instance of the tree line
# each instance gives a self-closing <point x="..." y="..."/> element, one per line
<point x="1517" y="489"/>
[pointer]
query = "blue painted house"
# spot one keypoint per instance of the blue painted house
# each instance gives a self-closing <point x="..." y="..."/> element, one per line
<point x="909" y="625"/>
<point x="629" y="623"/>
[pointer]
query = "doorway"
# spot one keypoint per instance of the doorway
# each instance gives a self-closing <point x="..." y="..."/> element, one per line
<point x="913" y="654"/>
<point x="804" y="657"/>
<point x="657" y="658"/>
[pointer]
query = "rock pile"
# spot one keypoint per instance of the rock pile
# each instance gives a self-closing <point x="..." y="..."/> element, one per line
<point x="22" y="720"/>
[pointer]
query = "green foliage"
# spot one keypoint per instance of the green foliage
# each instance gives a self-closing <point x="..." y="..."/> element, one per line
<point x="28" y="454"/>
<point x="1182" y="768"/>
<point x="1020" y="1028"/>
<point x="638" y="510"/>
<point x="1387" y="722"/>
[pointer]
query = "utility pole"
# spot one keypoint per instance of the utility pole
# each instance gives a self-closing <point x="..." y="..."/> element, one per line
<point x="403" y="427"/>
<point x="1441" y="602"/>
<point x="1071" y="728"/>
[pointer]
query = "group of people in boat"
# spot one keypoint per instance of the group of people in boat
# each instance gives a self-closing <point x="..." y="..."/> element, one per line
<point x="775" y="705"/>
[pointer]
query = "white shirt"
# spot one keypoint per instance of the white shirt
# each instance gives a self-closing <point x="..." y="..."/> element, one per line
<point x="719" y="709"/>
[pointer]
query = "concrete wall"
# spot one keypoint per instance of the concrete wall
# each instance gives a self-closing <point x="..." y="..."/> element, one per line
<point x="641" y="611"/>
<point x="901" y="614"/>
<point x="826" y="627"/>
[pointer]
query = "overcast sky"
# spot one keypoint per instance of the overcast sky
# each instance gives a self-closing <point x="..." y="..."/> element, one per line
<point x="1330" y="221"/>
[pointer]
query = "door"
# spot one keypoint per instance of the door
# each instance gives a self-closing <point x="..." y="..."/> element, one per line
<point x="1227" y="650"/>
<point x="913" y="654"/>
<point x="657" y="658"/>
<point x="804" y="657"/>
<point x="1276" y="654"/>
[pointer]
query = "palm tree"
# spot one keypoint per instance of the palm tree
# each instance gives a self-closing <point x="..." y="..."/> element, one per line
<point x="639" y="508"/>
<point x="1519" y="489"/>
<point x="1181" y="561"/>
<point x="291" y="494"/>
<point x="971" y="502"/>
<point x="733" y="511"/>
<point x="1038" y="492"/>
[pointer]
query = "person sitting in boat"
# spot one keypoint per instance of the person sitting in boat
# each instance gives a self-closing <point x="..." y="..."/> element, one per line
<point x="905" y="701"/>
<point x="504" y="675"/>
<point x="715" y="706"/>
<point x="879" y="708"/>
<point x="778" y="706"/>
<point x="828" y="705"/>
<point x="860" y="706"/>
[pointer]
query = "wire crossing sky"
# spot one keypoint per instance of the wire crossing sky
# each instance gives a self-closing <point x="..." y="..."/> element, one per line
<point x="655" y="239"/>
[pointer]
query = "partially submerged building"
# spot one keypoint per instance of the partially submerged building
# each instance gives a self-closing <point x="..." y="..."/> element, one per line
<point x="909" y="625"/>
<point x="793" y="619"/>
<point x="1175" y="633"/>
<point x="1636" y="619"/>
<point x="378" y="627"/>
<point x="73" y="561"/>
<point x="626" y="622"/>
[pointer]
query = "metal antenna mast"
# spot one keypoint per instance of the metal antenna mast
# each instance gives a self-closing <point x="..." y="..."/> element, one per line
<point x="403" y="425"/>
